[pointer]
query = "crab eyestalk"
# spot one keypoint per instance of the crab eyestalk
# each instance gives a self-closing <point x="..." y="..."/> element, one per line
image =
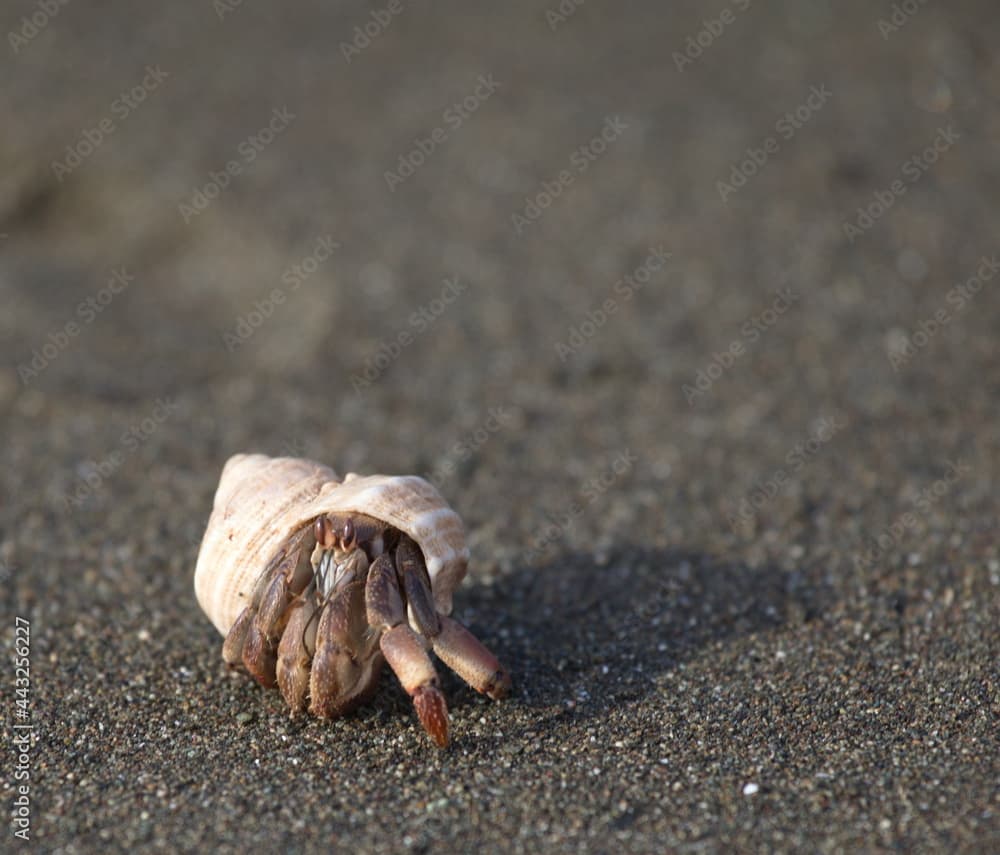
<point x="351" y="531"/>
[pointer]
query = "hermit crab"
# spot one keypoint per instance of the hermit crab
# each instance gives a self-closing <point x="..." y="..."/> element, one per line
<point x="315" y="581"/>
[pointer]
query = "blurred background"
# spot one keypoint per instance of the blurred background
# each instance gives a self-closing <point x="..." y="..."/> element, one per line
<point x="688" y="309"/>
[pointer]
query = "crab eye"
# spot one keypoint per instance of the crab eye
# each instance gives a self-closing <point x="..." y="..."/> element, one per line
<point x="348" y="535"/>
<point x="321" y="529"/>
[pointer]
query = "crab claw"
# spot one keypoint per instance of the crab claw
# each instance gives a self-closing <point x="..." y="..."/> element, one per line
<point x="295" y="653"/>
<point x="342" y="671"/>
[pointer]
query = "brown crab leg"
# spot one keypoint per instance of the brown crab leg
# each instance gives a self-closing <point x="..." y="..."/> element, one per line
<point x="417" y="588"/>
<point x="468" y="657"/>
<point x="232" y="647"/>
<point x="259" y="655"/>
<point x="458" y="648"/>
<point x="295" y="652"/>
<point x="288" y="578"/>
<point x="284" y="562"/>
<point x="404" y="650"/>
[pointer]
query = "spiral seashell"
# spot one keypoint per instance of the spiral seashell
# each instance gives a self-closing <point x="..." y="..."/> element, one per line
<point x="262" y="501"/>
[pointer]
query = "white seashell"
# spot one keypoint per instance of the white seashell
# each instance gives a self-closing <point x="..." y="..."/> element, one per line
<point x="262" y="501"/>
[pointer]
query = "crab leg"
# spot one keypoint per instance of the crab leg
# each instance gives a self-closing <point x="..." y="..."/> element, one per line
<point x="232" y="647"/>
<point x="454" y="645"/>
<point x="404" y="650"/>
<point x="468" y="657"/>
<point x="287" y="579"/>
<point x="259" y="649"/>
<point x="295" y="652"/>
<point x="417" y="588"/>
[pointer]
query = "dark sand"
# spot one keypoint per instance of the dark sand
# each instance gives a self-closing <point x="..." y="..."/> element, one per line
<point x="681" y="683"/>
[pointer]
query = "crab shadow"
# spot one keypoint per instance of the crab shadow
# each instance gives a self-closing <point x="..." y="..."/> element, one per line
<point x="581" y="635"/>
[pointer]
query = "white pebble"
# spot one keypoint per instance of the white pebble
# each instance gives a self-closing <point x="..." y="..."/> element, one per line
<point x="750" y="789"/>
